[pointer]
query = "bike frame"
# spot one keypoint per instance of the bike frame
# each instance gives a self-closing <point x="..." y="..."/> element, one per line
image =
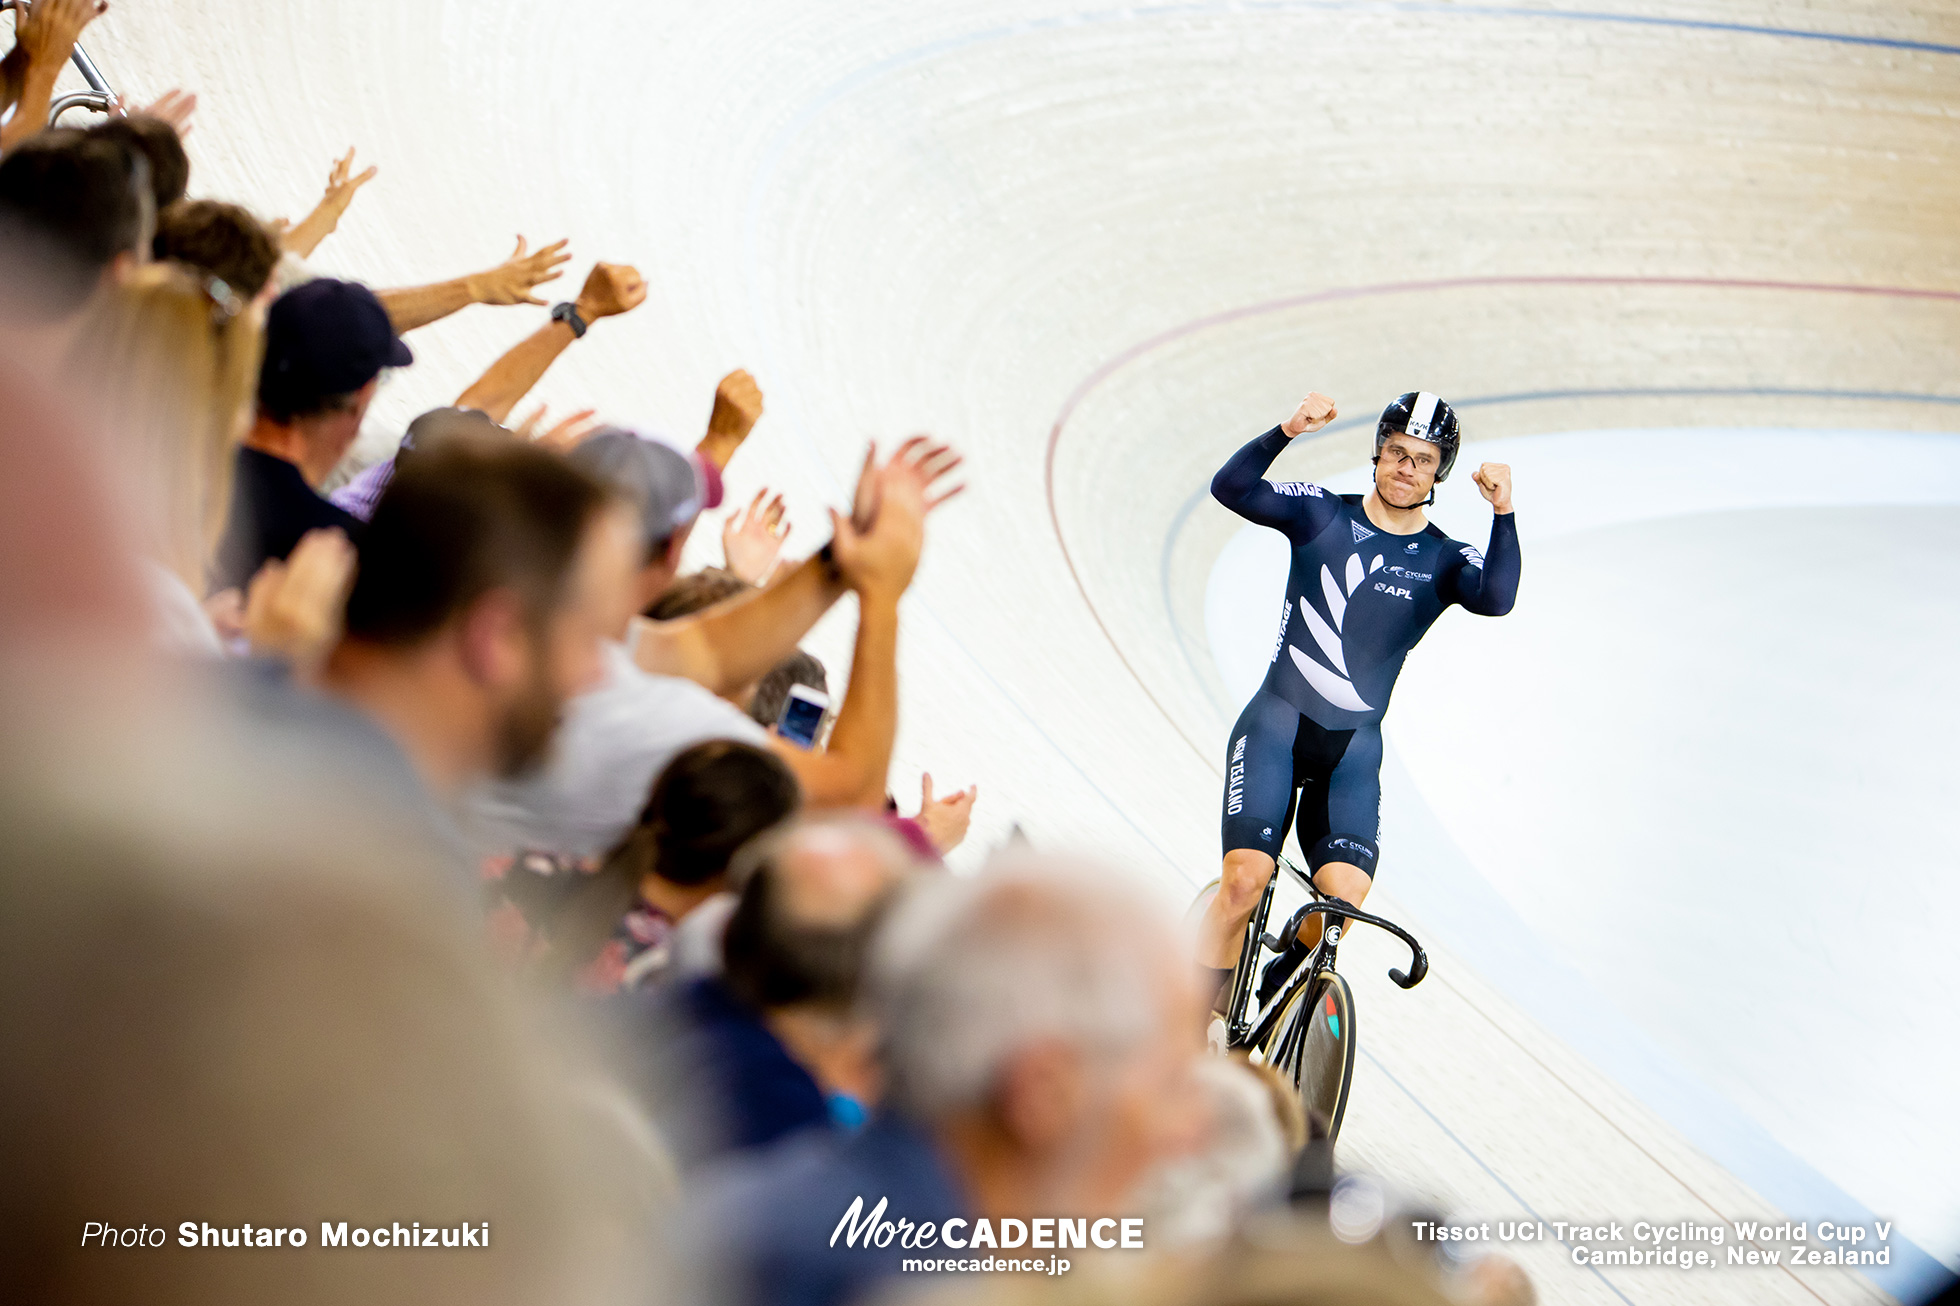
<point x="1240" y="1032"/>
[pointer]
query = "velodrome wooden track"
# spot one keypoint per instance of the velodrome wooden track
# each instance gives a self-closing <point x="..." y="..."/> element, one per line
<point x="1098" y="246"/>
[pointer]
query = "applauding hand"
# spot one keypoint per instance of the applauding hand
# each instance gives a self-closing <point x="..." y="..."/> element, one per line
<point x="945" y="820"/>
<point x="293" y="609"/>
<point x="751" y="541"/>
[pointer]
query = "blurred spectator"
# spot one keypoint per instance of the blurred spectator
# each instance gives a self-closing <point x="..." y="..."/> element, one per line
<point x="612" y="926"/>
<point x="1495" y="1279"/>
<point x="765" y="706"/>
<point x="765" y="1048"/>
<point x="226" y="992"/>
<point x="167" y="362"/>
<point x="157" y="141"/>
<point x="44" y="38"/>
<point x="610" y="289"/>
<point x="1036" y="1040"/>
<point x="75" y="214"/>
<point x="326" y="343"/>
<point x="1243" y="1168"/>
<point x="224" y="996"/>
<point x="711" y="585"/>
<point x="360" y="494"/>
<point x="623" y="733"/>
<point x="221" y="240"/>
<point x="486" y="582"/>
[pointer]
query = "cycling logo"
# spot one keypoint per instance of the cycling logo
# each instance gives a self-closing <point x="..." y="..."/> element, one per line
<point x="1335" y="688"/>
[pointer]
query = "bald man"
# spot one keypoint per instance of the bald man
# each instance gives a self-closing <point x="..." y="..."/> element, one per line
<point x="772" y="1045"/>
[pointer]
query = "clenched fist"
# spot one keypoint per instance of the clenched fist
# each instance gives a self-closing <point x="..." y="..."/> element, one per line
<point x="1314" y="412"/>
<point x="610" y="289"/>
<point x="1494" y="481"/>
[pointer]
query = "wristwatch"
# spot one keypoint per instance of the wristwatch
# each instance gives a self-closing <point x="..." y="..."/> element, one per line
<point x="568" y="314"/>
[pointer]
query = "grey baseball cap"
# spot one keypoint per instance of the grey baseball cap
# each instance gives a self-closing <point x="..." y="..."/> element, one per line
<point x="670" y="487"/>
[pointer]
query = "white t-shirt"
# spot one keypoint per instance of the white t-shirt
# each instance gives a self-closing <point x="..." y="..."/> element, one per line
<point x="179" y="625"/>
<point x="614" y="741"/>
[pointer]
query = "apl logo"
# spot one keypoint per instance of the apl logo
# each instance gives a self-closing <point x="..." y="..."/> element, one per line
<point x="1335" y="688"/>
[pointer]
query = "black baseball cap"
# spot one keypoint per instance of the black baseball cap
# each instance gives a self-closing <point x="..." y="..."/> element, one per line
<point x="325" y="338"/>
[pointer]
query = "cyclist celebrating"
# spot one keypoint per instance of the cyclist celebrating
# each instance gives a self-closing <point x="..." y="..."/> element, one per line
<point x="1369" y="576"/>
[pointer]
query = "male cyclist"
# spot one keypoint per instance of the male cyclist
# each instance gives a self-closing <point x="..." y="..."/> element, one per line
<point x="1369" y="576"/>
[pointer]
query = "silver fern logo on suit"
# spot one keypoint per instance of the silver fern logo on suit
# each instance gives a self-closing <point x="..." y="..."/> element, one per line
<point x="1337" y="689"/>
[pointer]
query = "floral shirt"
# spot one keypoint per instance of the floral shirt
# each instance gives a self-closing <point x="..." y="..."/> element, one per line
<point x="528" y="892"/>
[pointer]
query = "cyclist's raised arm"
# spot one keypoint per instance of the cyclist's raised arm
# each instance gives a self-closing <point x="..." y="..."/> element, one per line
<point x="1298" y="509"/>
<point x="1488" y="585"/>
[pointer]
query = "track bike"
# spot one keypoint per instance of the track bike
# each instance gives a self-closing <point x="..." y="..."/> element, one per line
<point x="1306" y="1031"/>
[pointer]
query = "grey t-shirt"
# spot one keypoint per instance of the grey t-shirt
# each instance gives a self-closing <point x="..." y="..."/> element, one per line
<point x="614" y="741"/>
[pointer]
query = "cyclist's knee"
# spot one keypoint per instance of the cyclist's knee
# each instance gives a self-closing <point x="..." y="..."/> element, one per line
<point x="1243" y="880"/>
<point x="1343" y="880"/>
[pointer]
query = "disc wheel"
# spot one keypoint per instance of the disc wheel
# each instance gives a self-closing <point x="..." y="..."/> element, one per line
<point x="1313" y="1045"/>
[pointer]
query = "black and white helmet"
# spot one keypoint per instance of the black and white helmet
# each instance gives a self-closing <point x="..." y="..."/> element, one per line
<point x="1425" y="417"/>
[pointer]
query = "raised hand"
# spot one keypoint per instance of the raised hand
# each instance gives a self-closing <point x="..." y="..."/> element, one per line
<point x="512" y="281"/>
<point x="47" y="30"/>
<point x="878" y="561"/>
<point x="293" y="609"/>
<point x="1494" y="483"/>
<point x="610" y="289"/>
<point x="175" y="106"/>
<point x="945" y="820"/>
<point x="738" y="406"/>
<point x="304" y="236"/>
<point x="751" y="541"/>
<point x="1314" y="412"/>
<point x="564" y="435"/>
<point x="921" y="467"/>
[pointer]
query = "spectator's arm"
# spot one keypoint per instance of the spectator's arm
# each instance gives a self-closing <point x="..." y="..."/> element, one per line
<point x="304" y="236"/>
<point x="44" y="37"/>
<point x="610" y="289"/>
<point x="510" y="282"/>
<point x="878" y="564"/>
<point x="851" y="772"/>
<point x="735" y="643"/>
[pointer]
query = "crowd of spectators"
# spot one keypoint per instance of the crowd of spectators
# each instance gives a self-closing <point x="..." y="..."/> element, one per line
<point x="415" y="840"/>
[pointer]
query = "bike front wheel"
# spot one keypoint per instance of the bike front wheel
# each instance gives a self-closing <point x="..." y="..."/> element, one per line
<point x="1313" y="1046"/>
